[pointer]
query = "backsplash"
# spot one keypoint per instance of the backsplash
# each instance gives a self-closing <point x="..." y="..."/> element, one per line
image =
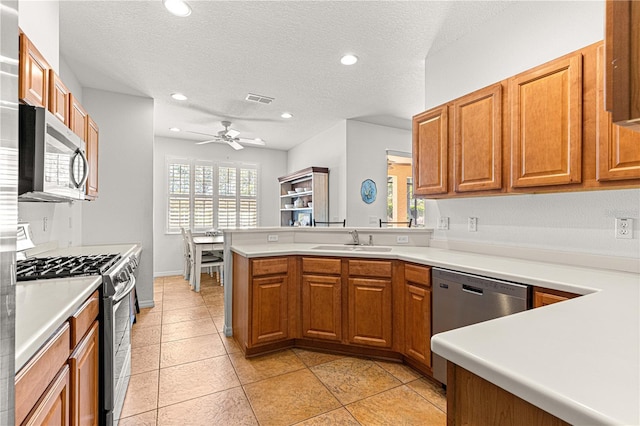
<point x="53" y="222"/>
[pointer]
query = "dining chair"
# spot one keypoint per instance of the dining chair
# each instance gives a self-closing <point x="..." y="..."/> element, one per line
<point x="396" y="224"/>
<point x="208" y="260"/>
<point x="186" y="255"/>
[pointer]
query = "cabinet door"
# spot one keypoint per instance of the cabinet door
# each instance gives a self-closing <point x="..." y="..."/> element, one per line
<point x="618" y="148"/>
<point x="92" y="157"/>
<point x="77" y="118"/>
<point x="370" y="316"/>
<point x="622" y="43"/>
<point x="53" y="408"/>
<point x="34" y="74"/>
<point x="269" y="309"/>
<point x="546" y="124"/>
<point x="430" y="140"/>
<point x="85" y="364"/>
<point x="58" y="98"/>
<point x="322" y="307"/>
<point x="418" y="323"/>
<point x="477" y="140"/>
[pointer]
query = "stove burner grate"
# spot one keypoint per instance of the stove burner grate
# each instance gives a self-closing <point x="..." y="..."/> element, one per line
<point x="64" y="266"/>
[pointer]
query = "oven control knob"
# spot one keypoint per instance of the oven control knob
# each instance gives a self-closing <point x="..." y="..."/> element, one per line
<point x="122" y="277"/>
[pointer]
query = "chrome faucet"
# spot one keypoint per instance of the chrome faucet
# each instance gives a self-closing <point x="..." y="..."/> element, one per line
<point x="356" y="238"/>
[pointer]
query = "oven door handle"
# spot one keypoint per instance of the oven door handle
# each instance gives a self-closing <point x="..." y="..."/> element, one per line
<point x="126" y="291"/>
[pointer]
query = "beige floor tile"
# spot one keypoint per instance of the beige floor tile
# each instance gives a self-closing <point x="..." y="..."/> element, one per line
<point x="400" y="371"/>
<point x="189" y="350"/>
<point x="400" y="405"/>
<point x="229" y="407"/>
<point x="144" y="419"/>
<point x="352" y="379"/>
<point x="145" y="358"/>
<point x="187" y="329"/>
<point x="432" y="392"/>
<point x="230" y="344"/>
<point x="187" y="381"/>
<point x="157" y="306"/>
<point x="148" y="319"/>
<point x="212" y="298"/>
<point x="261" y="367"/>
<point x="289" y="398"/>
<point x="142" y="394"/>
<point x="219" y="323"/>
<point x="145" y="336"/>
<point x="185" y="314"/>
<point x="339" y="417"/>
<point x="169" y="304"/>
<point x="311" y="358"/>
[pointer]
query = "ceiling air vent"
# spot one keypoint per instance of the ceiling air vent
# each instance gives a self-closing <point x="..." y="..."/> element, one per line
<point x="252" y="97"/>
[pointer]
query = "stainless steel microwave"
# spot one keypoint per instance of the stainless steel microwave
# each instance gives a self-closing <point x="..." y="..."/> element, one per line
<point x="52" y="161"/>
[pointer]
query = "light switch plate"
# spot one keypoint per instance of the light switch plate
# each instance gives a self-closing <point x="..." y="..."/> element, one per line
<point x="472" y="224"/>
<point x="272" y="238"/>
<point x="443" y="223"/>
<point x="402" y="239"/>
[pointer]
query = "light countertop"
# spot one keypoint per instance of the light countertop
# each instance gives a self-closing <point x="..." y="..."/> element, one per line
<point x="43" y="305"/>
<point x="579" y="359"/>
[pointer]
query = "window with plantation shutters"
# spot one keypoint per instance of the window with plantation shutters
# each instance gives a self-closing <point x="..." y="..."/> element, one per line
<point x="203" y="195"/>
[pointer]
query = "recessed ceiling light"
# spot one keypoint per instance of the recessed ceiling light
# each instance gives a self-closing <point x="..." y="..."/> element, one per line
<point x="174" y="129"/>
<point x="177" y="7"/>
<point x="178" y="96"/>
<point x="349" y="59"/>
<point x="286" y="115"/>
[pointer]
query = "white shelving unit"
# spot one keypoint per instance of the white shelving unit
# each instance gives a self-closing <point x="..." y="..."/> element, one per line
<point x="297" y="190"/>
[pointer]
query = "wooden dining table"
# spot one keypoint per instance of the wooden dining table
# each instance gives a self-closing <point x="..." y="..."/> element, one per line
<point x="202" y="244"/>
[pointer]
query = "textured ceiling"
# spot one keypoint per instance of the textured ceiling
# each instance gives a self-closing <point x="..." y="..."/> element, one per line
<point x="289" y="50"/>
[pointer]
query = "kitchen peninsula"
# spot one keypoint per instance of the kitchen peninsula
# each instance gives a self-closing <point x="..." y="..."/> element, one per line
<point x="549" y="357"/>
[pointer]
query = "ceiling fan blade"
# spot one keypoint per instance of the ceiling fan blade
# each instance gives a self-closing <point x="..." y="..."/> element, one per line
<point x="232" y="133"/>
<point x="248" y="141"/>
<point x="235" y="145"/>
<point x="207" y="141"/>
<point x="200" y="133"/>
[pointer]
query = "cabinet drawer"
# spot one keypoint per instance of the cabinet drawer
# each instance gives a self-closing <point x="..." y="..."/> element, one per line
<point x="370" y="268"/>
<point x="277" y="265"/>
<point x="418" y="274"/>
<point x="321" y="266"/>
<point x="34" y="378"/>
<point x="83" y="318"/>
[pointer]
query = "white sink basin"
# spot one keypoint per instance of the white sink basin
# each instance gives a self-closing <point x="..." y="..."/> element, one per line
<point x="353" y="248"/>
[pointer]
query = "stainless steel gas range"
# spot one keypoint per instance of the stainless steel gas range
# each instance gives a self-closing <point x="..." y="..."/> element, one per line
<point x="117" y="313"/>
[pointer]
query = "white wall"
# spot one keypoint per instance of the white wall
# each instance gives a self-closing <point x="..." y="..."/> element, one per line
<point x="525" y="35"/>
<point x="326" y="149"/>
<point x="367" y="146"/>
<point x="123" y="211"/>
<point x="273" y="164"/>
<point x="39" y="20"/>
<point x="59" y="222"/>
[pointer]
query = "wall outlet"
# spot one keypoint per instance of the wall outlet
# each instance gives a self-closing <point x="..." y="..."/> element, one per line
<point x="624" y="228"/>
<point x="472" y="224"/>
<point x="44" y="224"/>
<point x="402" y="239"/>
<point x="443" y="223"/>
<point x="272" y="238"/>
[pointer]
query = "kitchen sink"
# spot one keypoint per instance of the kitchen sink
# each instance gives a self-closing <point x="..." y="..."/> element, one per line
<point x="353" y="248"/>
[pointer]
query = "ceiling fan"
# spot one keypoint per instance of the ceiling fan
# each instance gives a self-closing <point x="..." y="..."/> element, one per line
<point x="229" y="136"/>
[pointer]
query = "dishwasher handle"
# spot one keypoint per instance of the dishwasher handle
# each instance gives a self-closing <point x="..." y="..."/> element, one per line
<point x="473" y="290"/>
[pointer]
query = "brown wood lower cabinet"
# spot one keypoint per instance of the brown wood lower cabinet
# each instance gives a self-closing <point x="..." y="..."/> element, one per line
<point x="546" y="296"/>
<point x="472" y="400"/>
<point x="322" y="307"/>
<point x="417" y="313"/>
<point x="269" y="309"/>
<point x="53" y="407"/>
<point x="84" y="363"/>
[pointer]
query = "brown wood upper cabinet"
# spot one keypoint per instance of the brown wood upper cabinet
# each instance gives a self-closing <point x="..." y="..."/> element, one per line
<point x="622" y="69"/>
<point x="93" y="134"/>
<point x="33" y="82"/>
<point x="77" y="118"/>
<point x="477" y="140"/>
<point x="58" y="98"/>
<point x="546" y="124"/>
<point x="430" y="144"/>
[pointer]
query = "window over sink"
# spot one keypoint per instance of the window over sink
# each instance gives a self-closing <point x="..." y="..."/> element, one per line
<point x="203" y="194"/>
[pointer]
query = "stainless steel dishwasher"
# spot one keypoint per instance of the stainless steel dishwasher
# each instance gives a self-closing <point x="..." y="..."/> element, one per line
<point x="461" y="299"/>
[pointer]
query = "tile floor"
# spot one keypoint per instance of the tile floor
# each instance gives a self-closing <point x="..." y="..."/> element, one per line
<point x="186" y="372"/>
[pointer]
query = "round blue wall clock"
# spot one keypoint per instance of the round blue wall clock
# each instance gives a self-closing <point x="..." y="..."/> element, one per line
<point x="368" y="191"/>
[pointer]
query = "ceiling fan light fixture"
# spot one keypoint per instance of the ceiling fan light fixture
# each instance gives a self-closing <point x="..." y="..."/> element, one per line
<point x="286" y="115"/>
<point x="177" y="7"/>
<point x="349" y="59"/>
<point x="179" y="96"/>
